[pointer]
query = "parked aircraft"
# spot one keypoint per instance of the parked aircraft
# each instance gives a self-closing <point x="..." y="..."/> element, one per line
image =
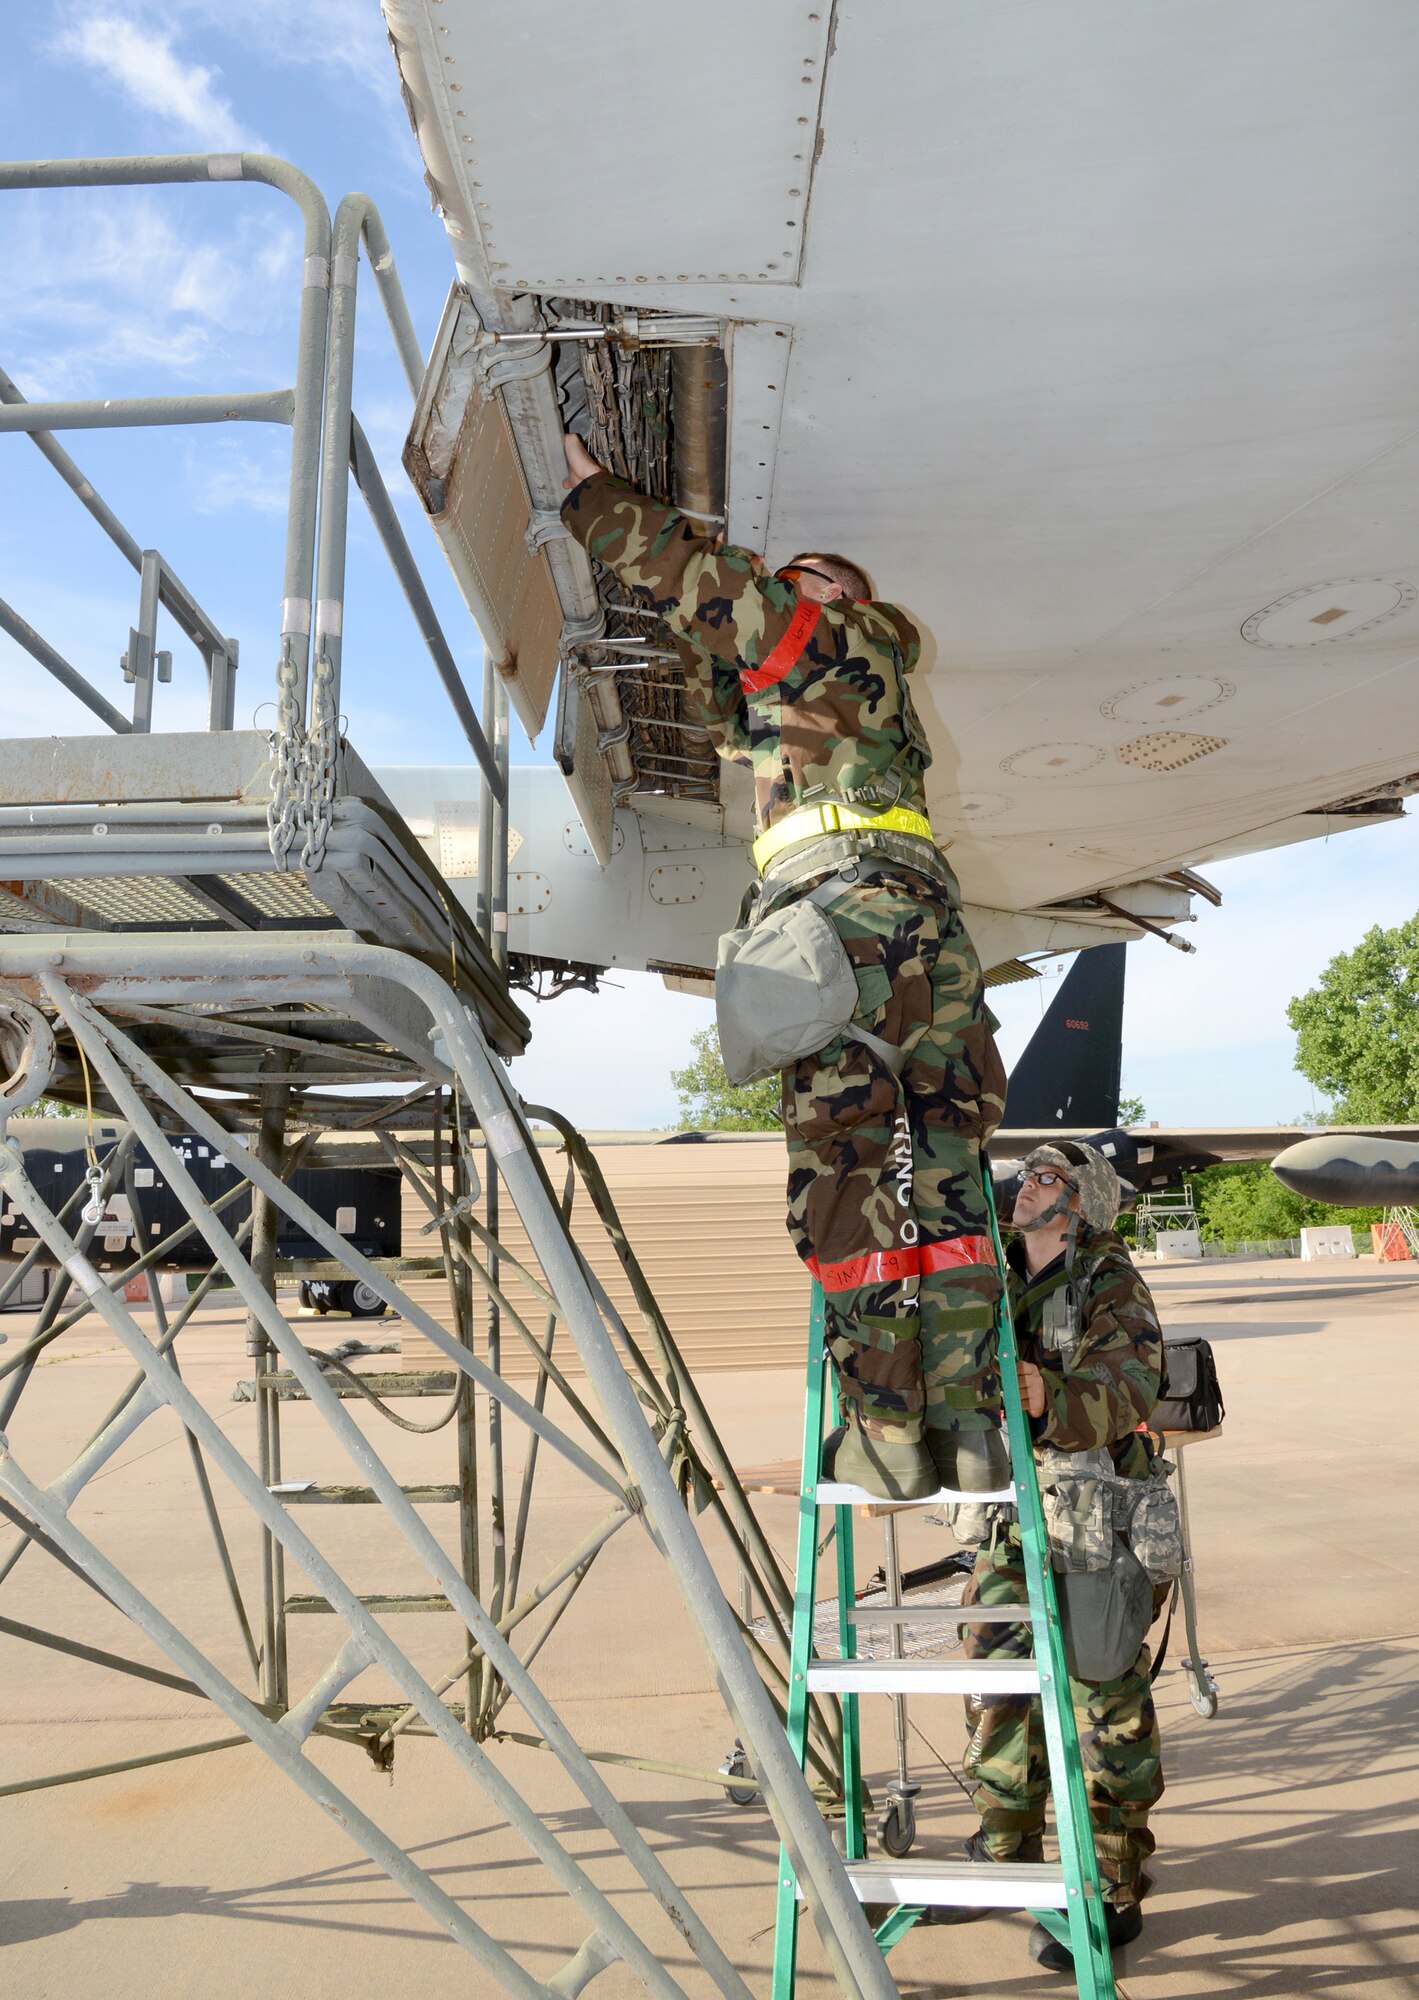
<point x="1066" y="1085"/>
<point x="1144" y="479"/>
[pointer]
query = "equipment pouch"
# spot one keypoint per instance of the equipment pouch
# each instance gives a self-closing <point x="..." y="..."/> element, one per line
<point x="1076" y="1493"/>
<point x="1104" y="1614"/>
<point x="784" y="988"/>
<point x="1152" y="1521"/>
<point x="971" y="1521"/>
<point x="1079" y="1523"/>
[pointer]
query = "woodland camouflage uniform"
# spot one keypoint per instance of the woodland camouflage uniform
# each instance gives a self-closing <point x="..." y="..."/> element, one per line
<point x="886" y="1205"/>
<point x="1099" y="1387"/>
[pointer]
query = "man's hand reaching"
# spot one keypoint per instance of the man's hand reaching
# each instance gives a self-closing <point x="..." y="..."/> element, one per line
<point x="580" y="463"/>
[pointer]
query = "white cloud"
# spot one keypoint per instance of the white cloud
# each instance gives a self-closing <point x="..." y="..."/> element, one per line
<point x="141" y="61"/>
<point x="102" y="283"/>
<point x="225" y="472"/>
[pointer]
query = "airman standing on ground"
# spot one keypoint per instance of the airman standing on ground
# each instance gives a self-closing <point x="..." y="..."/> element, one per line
<point x="1091" y="1355"/>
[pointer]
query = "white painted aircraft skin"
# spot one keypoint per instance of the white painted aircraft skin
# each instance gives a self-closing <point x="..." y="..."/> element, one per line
<point x="1088" y="328"/>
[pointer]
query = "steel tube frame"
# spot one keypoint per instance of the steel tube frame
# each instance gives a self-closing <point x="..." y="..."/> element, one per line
<point x="257" y="406"/>
<point x="298" y="406"/>
<point x="23" y="1364"/>
<point x="55" y="664"/>
<point x="111" y="1051"/>
<point x="271" y="1737"/>
<point x="345" y="962"/>
<point x="176" y="597"/>
<point x="268" y="1736"/>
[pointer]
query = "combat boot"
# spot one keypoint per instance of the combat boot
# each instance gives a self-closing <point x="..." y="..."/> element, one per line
<point x="970" y="1461"/>
<point x="893" y="1470"/>
<point x="1122" y="1921"/>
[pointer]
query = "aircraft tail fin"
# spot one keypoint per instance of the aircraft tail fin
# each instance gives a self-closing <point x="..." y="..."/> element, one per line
<point x="1070" y="1072"/>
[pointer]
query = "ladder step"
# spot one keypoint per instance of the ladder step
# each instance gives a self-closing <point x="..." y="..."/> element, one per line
<point x="296" y="1606"/>
<point x="978" y="1885"/>
<point x="940" y="1614"/>
<point x="923" y="1677"/>
<point x="308" y="1493"/>
<point x="828" y="1493"/>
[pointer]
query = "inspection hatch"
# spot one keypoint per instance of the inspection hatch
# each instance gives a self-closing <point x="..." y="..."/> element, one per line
<point x="575" y="841"/>
<point x="1167" y="749"/>
<point x="676" y="882"/>
<point x="528" y="892"/>
<point x="1052" y="760"/>
<point x="978" y="806"/>
<point x="1323" y="613"/>
<point x="1167" y="700"/>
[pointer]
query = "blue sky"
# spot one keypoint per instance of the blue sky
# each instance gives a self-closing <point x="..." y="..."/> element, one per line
<point x="130" y="292"/>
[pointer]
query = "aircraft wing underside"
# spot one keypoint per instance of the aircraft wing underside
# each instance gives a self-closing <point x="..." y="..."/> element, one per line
<point x="1086" y="329"/>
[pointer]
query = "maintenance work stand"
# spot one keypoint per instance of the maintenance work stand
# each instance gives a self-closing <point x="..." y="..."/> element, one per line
<point x="228" y="943"/>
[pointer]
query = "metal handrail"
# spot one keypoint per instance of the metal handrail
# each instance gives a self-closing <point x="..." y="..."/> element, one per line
<point x="326" y="444"/>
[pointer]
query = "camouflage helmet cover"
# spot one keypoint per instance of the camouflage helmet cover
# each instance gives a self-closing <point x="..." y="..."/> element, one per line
<point x="1100" y="1194"/>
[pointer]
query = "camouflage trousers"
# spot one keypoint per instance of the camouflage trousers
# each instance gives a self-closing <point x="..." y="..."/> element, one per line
<point x="885" y="1202"/>
<point x="1005" y="1756"/>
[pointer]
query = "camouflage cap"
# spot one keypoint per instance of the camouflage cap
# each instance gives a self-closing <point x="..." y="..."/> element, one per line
<point x="1090" y="1174"/>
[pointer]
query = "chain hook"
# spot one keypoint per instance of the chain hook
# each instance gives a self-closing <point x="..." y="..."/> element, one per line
<point x="94" y="1207"/>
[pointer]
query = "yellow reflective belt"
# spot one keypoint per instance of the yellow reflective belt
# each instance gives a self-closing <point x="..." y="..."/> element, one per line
<point x="809" y="822"/>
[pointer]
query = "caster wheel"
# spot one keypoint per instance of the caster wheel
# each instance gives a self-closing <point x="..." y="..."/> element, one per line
<point x="896" y="1830"/>
<point x="362" y="1300"/>
<point x="1204" y="1696"/>
<point x="736" y="1765"/>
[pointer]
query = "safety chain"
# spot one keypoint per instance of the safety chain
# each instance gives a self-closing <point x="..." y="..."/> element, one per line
<point x="320" y="751"/>
<point x="287" y="748"/>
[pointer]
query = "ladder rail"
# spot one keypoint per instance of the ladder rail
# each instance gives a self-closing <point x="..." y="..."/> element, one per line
<point x="805" y="1575"/>
<point x="1085" y="1931"/>
<point x="1067" y="1900"/>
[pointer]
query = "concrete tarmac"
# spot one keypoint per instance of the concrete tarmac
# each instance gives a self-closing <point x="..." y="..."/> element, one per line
<point x="1288" y="1860"/>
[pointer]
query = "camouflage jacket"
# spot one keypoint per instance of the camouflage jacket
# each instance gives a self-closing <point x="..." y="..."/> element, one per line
<point x="1094" y="1336"/>
<point x="814" y="697"/>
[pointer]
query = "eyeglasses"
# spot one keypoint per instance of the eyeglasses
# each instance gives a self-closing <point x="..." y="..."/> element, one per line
<point x="1048" y="1178"/>
<point x="791" y="572"/>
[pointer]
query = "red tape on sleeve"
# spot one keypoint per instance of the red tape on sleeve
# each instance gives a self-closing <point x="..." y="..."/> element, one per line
<point x="786" y="654"/>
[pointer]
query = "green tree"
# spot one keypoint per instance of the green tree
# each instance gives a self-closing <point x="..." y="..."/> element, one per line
<point x="49" y="1107"/>
<point x="1132" y="1111"/>
<point x="1357" y="1030"/>
<point x="709" y="1102"/>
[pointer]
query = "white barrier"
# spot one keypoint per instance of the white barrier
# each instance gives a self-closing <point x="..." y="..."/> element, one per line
<point x="1334" y="1240"/>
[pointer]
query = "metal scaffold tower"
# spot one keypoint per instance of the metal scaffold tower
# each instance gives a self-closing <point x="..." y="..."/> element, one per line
<point x="229" y="937"/>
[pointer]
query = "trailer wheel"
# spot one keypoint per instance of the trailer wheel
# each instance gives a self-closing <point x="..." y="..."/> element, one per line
<point x="362" y="1300"/>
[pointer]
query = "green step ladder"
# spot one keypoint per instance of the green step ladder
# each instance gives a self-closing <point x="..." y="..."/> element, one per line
<point x="1065" y="1896"/>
